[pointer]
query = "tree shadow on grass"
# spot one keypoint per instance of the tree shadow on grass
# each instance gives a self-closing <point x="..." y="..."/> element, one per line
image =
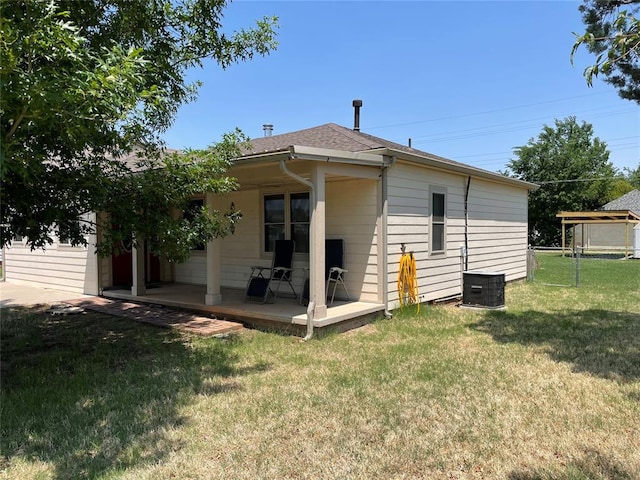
<point x="601" y="342"/>
<point x="94" y="394"/>
<point x="593" y="465"/>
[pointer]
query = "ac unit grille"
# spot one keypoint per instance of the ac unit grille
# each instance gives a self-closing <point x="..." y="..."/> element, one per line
<point x="483" y="289"/>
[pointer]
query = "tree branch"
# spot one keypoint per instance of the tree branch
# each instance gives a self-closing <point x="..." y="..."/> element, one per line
<point x="15" y="125"/>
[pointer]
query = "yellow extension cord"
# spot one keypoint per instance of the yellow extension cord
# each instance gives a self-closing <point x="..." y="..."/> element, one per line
<point x="408" y="281"/>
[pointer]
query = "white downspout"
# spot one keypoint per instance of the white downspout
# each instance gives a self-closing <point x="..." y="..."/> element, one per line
<point x="383" y="234"/>
<point x="312" y="201"/>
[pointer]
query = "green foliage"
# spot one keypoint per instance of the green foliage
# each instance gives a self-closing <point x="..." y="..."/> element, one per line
<point x="633" y="176"/>
<point x="618" y="188"/>
<point x="87" y="83"/>
<point x="149" y="205"/>
<point x="613" y="34"/>
<point x="574" y="173"/>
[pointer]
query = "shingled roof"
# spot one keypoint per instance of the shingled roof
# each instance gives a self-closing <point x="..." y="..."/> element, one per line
<point x="628" y="201"/>
<point x="334" y="137"/>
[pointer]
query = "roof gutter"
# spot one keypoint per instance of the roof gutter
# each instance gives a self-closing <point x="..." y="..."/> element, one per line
<point x="384" y="239"/>
<point x="298" y="152"/>
<point x="260" y="157"/>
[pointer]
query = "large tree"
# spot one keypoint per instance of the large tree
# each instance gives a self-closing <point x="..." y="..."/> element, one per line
<point x="574" y="173"/>
<point x="86" y="84"/>
<point x="633" y="176"/>
<point x="613" y="35"/>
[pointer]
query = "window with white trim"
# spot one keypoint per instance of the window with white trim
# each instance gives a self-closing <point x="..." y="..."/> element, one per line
<point x="286" y="217"/>
<point x="438" y="236"/>
<point x="64" y="234"/>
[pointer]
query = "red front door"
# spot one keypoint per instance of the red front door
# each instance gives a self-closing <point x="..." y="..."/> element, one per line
<point x="122" y="270"/>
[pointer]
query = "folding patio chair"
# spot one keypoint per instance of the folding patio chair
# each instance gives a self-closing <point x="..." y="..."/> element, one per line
<point x="261" y="278"/>
<point x="334" y="263"/>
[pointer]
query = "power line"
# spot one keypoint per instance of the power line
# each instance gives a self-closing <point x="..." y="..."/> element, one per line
<point x="515" y="107"/>
<point x="616" y="146"/>
<point x="509" y="124"/>
<point x="484" y="131"/>
<point x="576" y="180"/>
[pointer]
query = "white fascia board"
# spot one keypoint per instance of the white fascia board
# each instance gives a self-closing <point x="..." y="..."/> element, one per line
<point x="261" y="157"/>
<point x="298" y="152"/>
<point x="464" y="169"/>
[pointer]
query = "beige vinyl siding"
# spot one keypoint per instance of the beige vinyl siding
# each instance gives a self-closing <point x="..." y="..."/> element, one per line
<point x="194" y="270"/>
<point x="242" y="250"/>
<point x="408" y="193"/>
<point x="239" y="251"/>
<point x="59" y="267"/>
<point x="351" y="214"/>
<point x="497" y="229"/>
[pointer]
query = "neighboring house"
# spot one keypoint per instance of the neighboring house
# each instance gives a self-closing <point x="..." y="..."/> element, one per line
<point x="608" y="229"/>
<point x="328" y="182"/>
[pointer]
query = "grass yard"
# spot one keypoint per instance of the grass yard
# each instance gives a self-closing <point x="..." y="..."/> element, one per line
<point x="591" y="271"/>
<point x="549" y="389"/>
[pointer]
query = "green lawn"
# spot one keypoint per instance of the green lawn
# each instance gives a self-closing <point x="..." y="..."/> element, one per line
<point x="611" y="273"/>
<point x="548" y="389"/>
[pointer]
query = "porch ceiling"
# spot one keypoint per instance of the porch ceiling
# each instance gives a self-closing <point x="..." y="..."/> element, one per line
<point x="268" y="174"/>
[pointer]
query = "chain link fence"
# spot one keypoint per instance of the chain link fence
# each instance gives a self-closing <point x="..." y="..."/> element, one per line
<point x="573" y="268"/>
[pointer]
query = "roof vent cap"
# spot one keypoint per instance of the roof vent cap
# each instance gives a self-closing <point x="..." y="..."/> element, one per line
<point x="356" y="114"/>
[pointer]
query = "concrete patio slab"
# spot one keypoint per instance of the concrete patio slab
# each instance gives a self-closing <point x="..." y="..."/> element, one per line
<point x="14" y="295"/>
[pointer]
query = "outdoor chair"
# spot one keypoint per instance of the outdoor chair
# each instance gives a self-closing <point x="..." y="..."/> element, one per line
<point x="262" y="279"/>
<point x="334" y="266"/>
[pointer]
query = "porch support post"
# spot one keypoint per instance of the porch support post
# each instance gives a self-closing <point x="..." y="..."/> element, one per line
<point x="92" y="273"/>
<point x="214" y="296"/>
<point x="317" y="281"/>
<point x="626" y="238"/>
<point x="137" y="263"/>
<point x="214" y="265"/>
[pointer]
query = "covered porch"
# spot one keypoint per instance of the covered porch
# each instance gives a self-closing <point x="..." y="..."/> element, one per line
<point x="285" y="313"/>
<point x="344" y="201"/>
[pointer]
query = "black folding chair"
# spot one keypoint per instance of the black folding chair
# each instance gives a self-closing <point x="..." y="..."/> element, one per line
<point x="260" y="281"/>
<point x="334" y="263"/>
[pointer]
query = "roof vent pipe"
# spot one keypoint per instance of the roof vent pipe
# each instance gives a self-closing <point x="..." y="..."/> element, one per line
<point x="268" y="129"/>
<point x="409" y="142"/>
<point x="356" y="115"/>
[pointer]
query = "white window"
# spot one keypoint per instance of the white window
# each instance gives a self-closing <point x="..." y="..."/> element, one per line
<point x="438" y="233"/>
<point x="286" y="217"/>
<point x="64" y="234"/>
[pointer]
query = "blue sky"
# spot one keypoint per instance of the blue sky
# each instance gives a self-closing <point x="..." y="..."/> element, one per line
<point x="465" y="80"/>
